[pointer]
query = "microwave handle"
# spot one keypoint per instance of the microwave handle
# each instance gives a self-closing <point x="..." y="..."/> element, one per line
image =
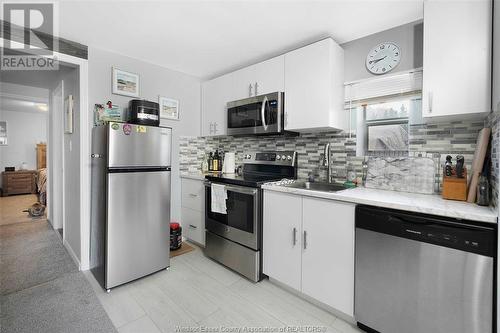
<point x="263" y="112"/>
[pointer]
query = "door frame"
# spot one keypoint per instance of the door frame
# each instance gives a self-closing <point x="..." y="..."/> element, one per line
<point x="55" y="197"/>
<point x="85" y="126"/>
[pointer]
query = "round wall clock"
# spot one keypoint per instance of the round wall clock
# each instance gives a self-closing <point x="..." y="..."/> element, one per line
<point x="383" y="58"/>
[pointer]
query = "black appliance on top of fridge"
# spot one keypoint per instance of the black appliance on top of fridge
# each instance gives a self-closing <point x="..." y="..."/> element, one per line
<point x="130" y="221"/>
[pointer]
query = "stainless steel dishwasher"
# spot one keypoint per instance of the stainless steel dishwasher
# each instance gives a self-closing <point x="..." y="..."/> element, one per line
<point x="420" y="274"/>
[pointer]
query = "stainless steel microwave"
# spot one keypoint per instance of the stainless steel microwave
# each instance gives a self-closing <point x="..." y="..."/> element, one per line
<point x="260" y="115"/>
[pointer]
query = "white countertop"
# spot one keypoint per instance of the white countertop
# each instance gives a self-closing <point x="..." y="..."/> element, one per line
<point x="193" y="175"/>
<point x="421" y="203"/>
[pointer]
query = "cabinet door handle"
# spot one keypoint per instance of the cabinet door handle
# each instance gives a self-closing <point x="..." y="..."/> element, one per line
<point x="215" y="128"/>
<point x="430" y="101"/>
<point x="211" y="128"/>
<point x="305" y="239"/>
<point x="256" y="88"/>
<point x="294" y="236"/>
<point x="250" y="90"/>
<point x="193" y="226"/>
<point x="193" y="195"/>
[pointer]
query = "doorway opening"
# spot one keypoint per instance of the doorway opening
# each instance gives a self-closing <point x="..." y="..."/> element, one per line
<point x="40" y="149"/>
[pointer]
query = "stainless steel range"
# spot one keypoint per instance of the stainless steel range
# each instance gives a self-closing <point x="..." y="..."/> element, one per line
<point x="233" y="210"/>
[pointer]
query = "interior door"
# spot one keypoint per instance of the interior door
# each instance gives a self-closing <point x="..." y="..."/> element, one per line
<point x="138" y="225"/>
<point x="281" y="238"/>
<point x="328" y="253"/>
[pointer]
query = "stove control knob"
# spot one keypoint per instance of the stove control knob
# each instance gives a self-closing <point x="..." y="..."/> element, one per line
<point x="283" y="157"/>
<point x="289" y="158"/>
<point x="248" y="156"/>
<point x="278" y="157"/>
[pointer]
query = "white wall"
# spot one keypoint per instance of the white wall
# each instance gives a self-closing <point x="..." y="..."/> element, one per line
<point x="154" y="81"/>
<point x="408" y="37"/>
<point x="24" y="130"/>
<point x="72" y="165"/>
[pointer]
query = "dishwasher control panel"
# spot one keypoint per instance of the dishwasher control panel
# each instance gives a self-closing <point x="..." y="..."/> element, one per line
<point x="461" y="235"/>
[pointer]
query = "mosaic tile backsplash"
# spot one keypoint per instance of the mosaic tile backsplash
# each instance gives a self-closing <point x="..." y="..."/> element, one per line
<point x="426" y="140"/>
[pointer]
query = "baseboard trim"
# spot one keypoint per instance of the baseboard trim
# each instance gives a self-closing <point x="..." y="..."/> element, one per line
<point x="72" y="254"/>
<point x="315" y="302"/>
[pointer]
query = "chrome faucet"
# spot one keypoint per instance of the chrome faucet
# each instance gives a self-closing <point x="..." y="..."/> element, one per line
<point x="326" y="162"/>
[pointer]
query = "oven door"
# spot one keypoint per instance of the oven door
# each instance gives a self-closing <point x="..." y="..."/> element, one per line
<point x="240" y="224"/>
<point x="256" y="115"/>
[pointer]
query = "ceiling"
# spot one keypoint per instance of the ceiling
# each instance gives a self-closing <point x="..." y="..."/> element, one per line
<point x="207" y="38"/>
<point x="22" y="105"/>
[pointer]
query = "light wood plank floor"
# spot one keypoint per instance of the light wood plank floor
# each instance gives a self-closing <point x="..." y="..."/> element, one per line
<point x="197" y="291"/>
<point x="11" y="208"/>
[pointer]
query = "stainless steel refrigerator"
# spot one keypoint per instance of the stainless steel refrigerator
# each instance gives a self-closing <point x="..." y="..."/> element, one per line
<point x="130" y="220"/>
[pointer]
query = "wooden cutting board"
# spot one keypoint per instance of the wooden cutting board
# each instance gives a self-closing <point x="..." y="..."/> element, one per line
<point x="477" y="163"/>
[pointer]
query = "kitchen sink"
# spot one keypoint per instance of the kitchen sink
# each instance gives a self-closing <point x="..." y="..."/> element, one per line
<point x="316" y="186"/>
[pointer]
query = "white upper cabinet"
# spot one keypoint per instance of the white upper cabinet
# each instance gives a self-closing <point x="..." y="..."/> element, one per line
<point x="270" y="76"/>
<point x="259" y="79"/>
<point x="314" y="87"/>
<point x="215" y="95"/>
<point x="457" y="58"/>
<point x="243" y="83"/>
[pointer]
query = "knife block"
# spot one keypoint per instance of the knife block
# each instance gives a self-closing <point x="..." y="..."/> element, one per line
<point x="455" y="188"/>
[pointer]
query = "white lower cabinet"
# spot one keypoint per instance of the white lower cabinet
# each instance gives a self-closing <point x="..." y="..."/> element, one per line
<point x="281" y="237"/>
<point x="308" y="245"/>
<point x="193" y="210"/>
<point x="328" y="255"/>
<point x="193" y="225"/>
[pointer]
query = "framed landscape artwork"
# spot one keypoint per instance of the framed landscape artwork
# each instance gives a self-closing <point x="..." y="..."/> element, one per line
<point x="125" y="83"/>
<point x="169" y="108"/>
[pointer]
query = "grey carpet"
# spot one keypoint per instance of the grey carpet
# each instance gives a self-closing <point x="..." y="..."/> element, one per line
<point x="31" y="254"/>
<point x="40" y="286"/>
<point x="67" y="304"/>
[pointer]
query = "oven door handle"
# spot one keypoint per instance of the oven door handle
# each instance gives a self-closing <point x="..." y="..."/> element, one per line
<point x="263" y="112"/>
<point x="238" y="189"/>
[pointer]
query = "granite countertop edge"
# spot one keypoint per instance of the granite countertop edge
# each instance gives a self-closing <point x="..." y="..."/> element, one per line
<point x="432" y="204"/>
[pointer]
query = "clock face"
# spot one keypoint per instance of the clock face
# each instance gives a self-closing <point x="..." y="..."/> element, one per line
<point x="383" y="58"/>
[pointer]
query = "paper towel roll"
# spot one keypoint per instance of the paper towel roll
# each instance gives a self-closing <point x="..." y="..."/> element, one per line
<point x="229" y="162"/>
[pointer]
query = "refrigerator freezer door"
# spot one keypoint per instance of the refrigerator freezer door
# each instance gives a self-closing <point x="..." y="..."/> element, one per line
<point x="135" y="146"/>
<point x="138" y="225"/>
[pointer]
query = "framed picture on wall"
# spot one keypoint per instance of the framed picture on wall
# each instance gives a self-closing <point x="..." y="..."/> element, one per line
<point x="68" y="114"/>
<point x="169" y="108"/>
<point x="3" y="133"/>
<point x="125" y="83"/>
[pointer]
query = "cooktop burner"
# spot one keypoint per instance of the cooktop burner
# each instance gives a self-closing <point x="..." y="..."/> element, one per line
<point x="261" y="167"/>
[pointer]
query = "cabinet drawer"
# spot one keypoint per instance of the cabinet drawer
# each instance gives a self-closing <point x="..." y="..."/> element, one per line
<point x="20" y="179"/>
<point x="193" y="225"/>
<point x="193" y="195"/>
